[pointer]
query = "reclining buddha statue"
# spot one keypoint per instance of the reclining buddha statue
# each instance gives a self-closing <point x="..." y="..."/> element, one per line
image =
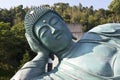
<point x="96" y="56"/>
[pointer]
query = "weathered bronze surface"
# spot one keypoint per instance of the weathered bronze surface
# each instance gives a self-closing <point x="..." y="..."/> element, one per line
<point x="95" y="57"/>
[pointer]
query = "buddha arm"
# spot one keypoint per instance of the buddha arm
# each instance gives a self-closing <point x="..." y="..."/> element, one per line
<point x="31" y="69"/>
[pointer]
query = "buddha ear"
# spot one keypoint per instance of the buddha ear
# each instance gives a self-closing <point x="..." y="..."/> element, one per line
<point x="35" y="46"/>
<point x="30" y="42"/>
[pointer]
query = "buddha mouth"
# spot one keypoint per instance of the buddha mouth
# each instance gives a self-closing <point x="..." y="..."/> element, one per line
<point x="58" y="34"/>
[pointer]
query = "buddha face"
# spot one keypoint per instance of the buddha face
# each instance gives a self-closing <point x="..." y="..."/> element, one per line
<point x="53" y="32"/>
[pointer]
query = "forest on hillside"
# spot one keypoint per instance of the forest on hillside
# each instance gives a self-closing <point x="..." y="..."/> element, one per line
<point x="14" y="49"/>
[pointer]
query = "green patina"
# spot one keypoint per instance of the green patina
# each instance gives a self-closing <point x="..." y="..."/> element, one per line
<point x="95" y="57"/>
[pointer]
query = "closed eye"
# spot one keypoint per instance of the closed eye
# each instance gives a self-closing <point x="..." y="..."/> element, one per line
<point x="54" y="20"/>
<point x="43" y="31"/>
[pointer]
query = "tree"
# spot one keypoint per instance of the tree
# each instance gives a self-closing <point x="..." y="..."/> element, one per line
<point x="26" y="58"/>
<point x="115" y="7"/>
<point x="20" y="42"/>
<point x="6" y="40"/>
<point x="80" y="7"/>
<point x="61" y="7"/>
<point x="19" y="14"/>
<point x="5" y="16"/>
<point x="12" y="43"/>
<point x="90" y="10"/>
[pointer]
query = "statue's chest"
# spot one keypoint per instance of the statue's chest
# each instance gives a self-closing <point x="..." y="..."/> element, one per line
<point x="97" y="60"/>
<point x="94" y="66"/>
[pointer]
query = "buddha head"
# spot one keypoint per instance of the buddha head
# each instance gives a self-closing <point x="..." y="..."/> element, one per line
<point x="46" y="28"/>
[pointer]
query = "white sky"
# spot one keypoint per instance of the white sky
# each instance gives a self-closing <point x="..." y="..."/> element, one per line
<point x="97" y="4"/>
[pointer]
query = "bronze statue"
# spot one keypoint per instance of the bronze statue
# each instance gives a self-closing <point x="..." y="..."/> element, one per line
<point x="95" y="57"/>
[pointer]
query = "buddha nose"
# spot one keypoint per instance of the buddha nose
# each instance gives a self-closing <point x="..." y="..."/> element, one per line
<point x="52" y="29"/>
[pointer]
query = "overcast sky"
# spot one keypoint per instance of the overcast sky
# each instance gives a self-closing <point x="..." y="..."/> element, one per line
<point x="97" y="4"/>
